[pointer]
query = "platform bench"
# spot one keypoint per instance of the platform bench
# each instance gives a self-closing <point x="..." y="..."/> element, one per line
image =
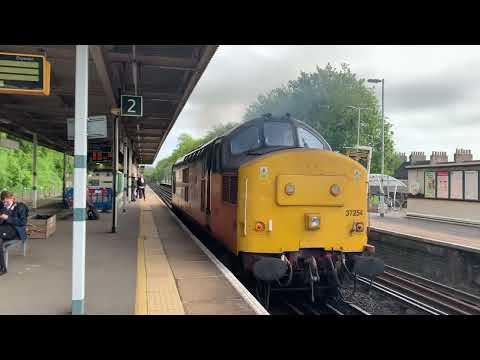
<point x="7" y="245"/>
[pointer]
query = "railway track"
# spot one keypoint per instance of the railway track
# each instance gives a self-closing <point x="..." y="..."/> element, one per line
<point x="423" y="294"/>
<point x="164" y="191"/>
<point x="339" y="308"/>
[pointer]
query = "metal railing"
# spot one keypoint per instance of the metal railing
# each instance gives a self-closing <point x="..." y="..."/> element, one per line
<point x="25" y="195"/>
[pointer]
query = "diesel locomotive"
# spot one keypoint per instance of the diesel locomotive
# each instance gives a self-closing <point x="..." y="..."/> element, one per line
<point x="291" y="211"/>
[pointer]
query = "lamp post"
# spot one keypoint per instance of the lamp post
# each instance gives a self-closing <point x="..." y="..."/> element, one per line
<point x="359" y="109"/>
<point x="382" y="194"/>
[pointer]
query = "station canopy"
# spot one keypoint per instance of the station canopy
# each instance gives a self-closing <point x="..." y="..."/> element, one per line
<point x="165" y="76"/>
<point x="388" y="181"/>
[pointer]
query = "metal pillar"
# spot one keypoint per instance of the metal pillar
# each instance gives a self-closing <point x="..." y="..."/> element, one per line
<point x="34" y="173"/>
<point x="80" y="180"/>
<point x="358" y="128"/>
<point x="382" y="192"/>
<point x="64" y="185"/>
<point x="115" y="171"/>
<point x="125" y="177"/>
<point x="129" y="174"/>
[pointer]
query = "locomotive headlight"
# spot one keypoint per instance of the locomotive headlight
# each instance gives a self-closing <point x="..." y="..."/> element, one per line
<point x="289" y="189"/>
<point x="312" y="221"/>
<point x="335" y="190"/>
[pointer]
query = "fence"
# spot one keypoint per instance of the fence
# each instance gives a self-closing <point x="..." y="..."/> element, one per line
<point x="24" y="194"/>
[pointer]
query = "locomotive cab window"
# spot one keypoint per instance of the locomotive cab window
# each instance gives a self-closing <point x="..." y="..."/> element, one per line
<point x="185" y="175"/>
<point x="246" y="139"/>
<point x="278" y="134"/>
<point x="308" y="140"/>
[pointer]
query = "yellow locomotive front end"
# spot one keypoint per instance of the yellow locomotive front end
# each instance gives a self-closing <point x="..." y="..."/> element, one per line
<point x="302" y="220"/>
<point x="302" y="199"/>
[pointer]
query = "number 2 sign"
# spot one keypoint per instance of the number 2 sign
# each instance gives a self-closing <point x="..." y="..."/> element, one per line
<point x="131" y="105"/>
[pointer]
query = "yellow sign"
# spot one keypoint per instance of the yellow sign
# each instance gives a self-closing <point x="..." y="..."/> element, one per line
<point x="24" y="74"/>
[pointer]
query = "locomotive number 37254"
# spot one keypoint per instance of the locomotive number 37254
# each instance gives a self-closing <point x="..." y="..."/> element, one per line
<point x="353" y="212"/>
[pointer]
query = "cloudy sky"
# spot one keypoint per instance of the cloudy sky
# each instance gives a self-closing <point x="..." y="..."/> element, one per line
<point x="432" y="93"/>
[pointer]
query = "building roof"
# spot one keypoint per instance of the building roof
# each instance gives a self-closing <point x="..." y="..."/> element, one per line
<point x="166" y="76"/>
<point x="445" y="164"/>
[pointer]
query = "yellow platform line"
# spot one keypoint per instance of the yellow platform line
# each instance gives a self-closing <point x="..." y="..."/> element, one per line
<point x="141" y="306"/>
<point x="157" y="292"/>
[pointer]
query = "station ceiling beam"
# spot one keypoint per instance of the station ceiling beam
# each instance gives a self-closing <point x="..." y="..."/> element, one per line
<point x="98" y="58"/>
<point x="162" y="62"/>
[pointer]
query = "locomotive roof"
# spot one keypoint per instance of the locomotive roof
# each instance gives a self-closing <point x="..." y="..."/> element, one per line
<point x="199" y="150"/>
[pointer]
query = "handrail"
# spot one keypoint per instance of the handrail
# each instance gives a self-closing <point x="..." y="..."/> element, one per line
<point x="245" y="209"/>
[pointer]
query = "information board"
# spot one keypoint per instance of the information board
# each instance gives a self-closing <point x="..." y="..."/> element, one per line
<point x="429" y="184"/>
<point x="471" y="185"/>
<point x="24" y="74"/>
<point x="96" y="127"/>
<point x="456" y="185"/>
<point x="442" y="185"/>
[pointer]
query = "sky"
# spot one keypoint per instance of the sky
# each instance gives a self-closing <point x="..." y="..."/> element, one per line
<point x="431" y="92"/>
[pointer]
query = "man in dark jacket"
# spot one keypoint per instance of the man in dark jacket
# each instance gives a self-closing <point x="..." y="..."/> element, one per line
<point x="141" y="187"/>
<point x="13" y="223"/>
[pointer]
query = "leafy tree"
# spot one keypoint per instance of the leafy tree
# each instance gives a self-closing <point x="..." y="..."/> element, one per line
<point x="186" y="143"/>
<point x="16" y="167"/>
<point x="320" y="99"/>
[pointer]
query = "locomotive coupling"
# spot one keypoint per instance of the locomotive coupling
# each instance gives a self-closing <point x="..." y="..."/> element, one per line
<point x="270" y="269"/>
<point x="368" y="266"/>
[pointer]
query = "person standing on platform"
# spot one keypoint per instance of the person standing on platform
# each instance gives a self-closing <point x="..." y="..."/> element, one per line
<point x="134" y="188"/>
<point x="141" y="187"/>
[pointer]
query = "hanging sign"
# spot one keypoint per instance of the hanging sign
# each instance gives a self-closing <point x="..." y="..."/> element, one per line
<point x="24" y="74"/>
<point x="131" y="105"/>
<point x="442" y="185"/>
<point x="96" y="127"/>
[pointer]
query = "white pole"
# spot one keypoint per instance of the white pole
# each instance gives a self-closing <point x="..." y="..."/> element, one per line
<point x="115" y="175"/>
<point x="382" y="192"/>
<point x="34" y="173"/>
<point x="80" y="180"/>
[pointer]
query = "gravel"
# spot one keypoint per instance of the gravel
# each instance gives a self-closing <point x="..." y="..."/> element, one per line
<point x="375" y="302"/>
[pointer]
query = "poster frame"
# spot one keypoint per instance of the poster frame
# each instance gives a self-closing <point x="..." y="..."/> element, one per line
<point x="450" y="185"/>
<point x="425" y="184"/>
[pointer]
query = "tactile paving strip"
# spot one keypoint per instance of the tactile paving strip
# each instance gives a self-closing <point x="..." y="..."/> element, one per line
<point x="157" y="293"/>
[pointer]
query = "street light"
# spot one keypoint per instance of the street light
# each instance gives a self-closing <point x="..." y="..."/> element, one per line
<point x="358" y="125"/>
<point x="382" y="195"/>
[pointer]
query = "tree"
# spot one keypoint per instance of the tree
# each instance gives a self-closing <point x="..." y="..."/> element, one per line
<point x="186" y="143"/>
<point x="320" y="99"/>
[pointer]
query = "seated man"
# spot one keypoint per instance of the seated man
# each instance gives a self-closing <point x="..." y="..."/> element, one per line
<point x="13" y="223"/>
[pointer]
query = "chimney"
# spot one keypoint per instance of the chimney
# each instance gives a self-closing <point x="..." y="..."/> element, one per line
<point x="402" y="157"/>
<point x="416" y="156"/>
<point x="438" y="157"/>
<point x="462" y="155"/>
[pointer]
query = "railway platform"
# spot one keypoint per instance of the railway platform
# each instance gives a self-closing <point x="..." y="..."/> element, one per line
<point x="178" y="275"/>
<point x="462" y="237"/>
<point x="151" y="266"/>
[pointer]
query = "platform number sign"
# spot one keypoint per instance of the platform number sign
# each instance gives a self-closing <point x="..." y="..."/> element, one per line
<point x="131" y="105"/>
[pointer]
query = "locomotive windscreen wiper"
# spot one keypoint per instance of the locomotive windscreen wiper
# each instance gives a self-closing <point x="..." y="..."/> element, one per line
<point x="271" y="150"/>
